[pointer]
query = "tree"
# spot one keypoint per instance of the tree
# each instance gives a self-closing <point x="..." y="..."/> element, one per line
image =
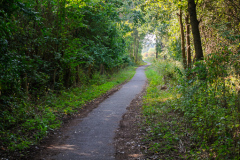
<point x="189" y="61"/>
<point x="195" y="29"/>
<point x="182" y="39"/>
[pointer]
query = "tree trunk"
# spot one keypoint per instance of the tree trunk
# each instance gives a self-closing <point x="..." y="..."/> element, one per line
<point x="156" y="51"/>
<point x="157" y="45"/>
<point x="25" y="83"/>
<point x="67" y="77"/>
<point x="196" y="38"/>
<point x="135" y="45"/>
<point x="136" y="60"/>
<point x="54" y="78"/>
<point x="77" y="75"/>
<point x="188" y="42"/>
<point x="195" y="29"/>
<point x="90" y="74"/>
<point x="182" y="40"/>
<point x="134" y="48"/>
<point x="101" y="69"/>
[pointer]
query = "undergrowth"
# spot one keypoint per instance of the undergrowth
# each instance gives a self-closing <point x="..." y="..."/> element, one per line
<point x="28" y="122"/>
<point x="190" y="118"/>
<point x="161" y="122"/>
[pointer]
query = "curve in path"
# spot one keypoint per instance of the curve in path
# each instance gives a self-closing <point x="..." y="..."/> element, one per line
<point x="93" y="137"/>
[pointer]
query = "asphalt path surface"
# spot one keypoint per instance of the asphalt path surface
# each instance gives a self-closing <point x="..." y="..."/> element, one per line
<point x="92" y="138"/>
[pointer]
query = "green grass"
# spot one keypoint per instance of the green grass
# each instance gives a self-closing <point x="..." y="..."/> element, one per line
<point x="192" y="119"/>
<point x="29" y="122"/>
<point x="70" y="101"/>
<point x="160" y="121"/>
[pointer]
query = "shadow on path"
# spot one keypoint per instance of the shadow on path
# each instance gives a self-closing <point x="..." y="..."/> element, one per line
<point x="92" y="137"/>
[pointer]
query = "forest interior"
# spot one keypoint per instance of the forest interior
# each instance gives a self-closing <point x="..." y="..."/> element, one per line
<point x="57" y="55"/>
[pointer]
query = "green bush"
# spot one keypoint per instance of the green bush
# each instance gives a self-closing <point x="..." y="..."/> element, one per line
<point x="194" y="118"/>
<point x="169" y="69"/>
<point x="27" y="123"/>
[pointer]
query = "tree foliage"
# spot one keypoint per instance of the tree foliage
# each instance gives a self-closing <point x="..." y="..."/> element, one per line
<point x="48" y="46"/>
<point x="208" y="104"/>
<point x="43" y="42"/>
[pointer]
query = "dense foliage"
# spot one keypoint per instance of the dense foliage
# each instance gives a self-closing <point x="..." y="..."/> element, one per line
<point x="45" y="44"/>
<point x="48" y="46"/>
<point x="198" y="116"/>
<point x="30" y="122"/>
<point x="190" y="119"/>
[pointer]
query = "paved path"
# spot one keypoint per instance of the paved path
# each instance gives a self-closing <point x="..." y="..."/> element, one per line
<point x="92" y="138"/>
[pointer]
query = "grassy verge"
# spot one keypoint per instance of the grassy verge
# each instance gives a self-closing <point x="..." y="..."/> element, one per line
<point x="190" y="119"/>
<point x="163" y="126"/>
<point x="30" y="122"/>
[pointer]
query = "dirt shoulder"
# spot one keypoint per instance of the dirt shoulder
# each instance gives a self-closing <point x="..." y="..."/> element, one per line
<point x="128" y="136"/>
<point x="127" y="140"/>
<point x="69" y="120"/>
